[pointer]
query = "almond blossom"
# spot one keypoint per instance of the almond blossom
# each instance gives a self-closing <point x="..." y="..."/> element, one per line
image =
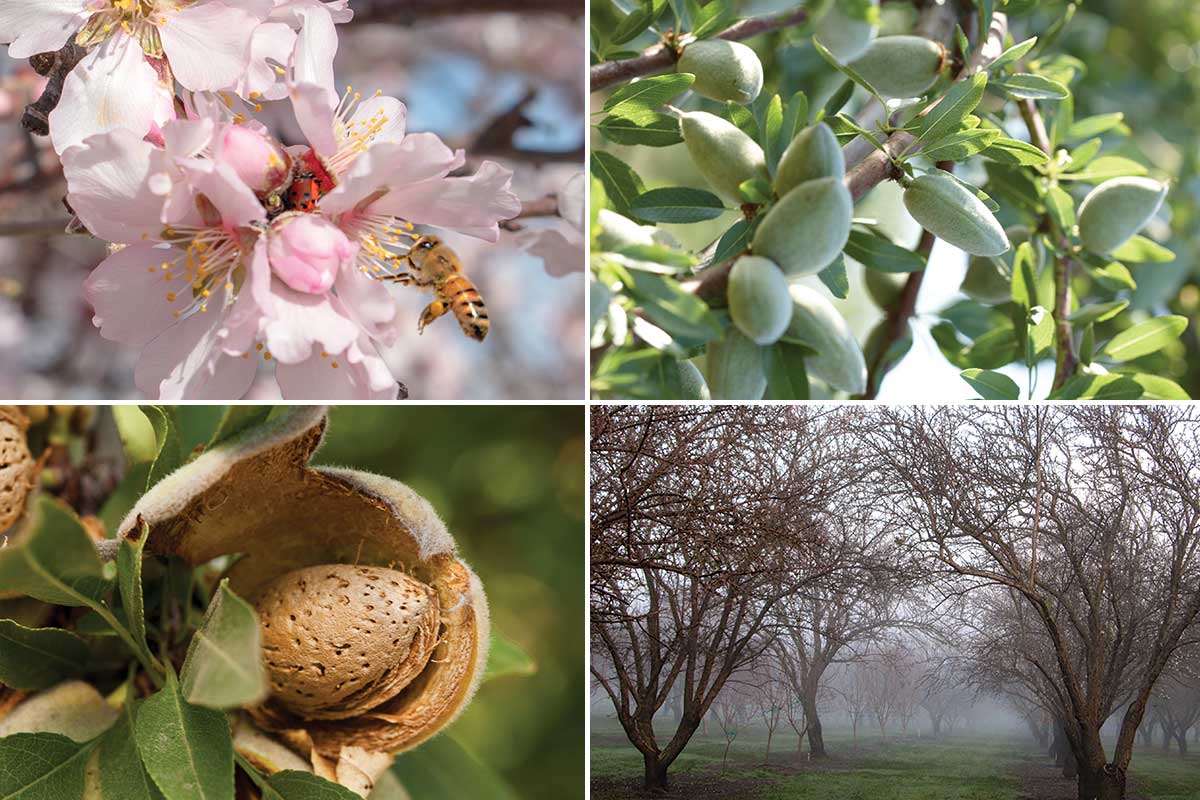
<point x="224" y="263"/>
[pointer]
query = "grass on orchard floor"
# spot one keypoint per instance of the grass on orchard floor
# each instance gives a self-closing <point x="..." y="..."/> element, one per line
<point x="966" y="767"/>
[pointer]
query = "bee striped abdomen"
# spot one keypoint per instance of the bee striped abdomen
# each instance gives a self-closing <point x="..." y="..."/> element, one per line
<point x="468" y="307"/>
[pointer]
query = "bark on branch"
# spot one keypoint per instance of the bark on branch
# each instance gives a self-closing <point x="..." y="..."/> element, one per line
<point x="662" y="56"/>
<point x="55" y="67"/>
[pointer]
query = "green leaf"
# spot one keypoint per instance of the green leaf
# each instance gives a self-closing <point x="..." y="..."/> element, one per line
<point x="1061" y="208"/>
<point x="873" y="250"/>
<point x="1025" y="284"/>
<point x="1041" y="332"/>
<point x="755" y="190"/>
<point x="794" y="119"/>
<point x="648" y="94"/>
<point x="129" y="582"/>
<point x="991" y="385"/>
<point x="42" y="766"/>
<point x="1088" y="127"/>
<point x="621" y="184"/>
<point x="1144" y="338"/>
<point x="787" y="377"/>
<point x="1105" y="167"/>
<point x="711" y="18"/>
<point x="773" y="128"/>
<point x="636" y="23"/>
<point x="838" y="99"/>
<point x="236" y="420"/>
<point x="188" y="750"/>
<point x="683" y="315"/>
<point x="834" y="278"/>
<point x="1114" y="276"/>
<point x="121" y="772"/>
<point x="442" y="767"/>
<point x="1082" y="155"/>
<point x="994" y="349"/>
<point x="1087" y="345"/>
<point x="734" y="241"/>
<point x="961" y="145"/>
<point x="1098" y="312"/>
<point x="658" y="254"/>
<point x="507" y="658"/>
<point x="223" y="668"/>
<point x="646" y="128"/>
<point x="136" y="433"/>
<point x="1013" y="151"/>
<point x="52" y="558"/>
<point x="36" y="658"/>
<point x="1139" y="250"/>
<point x="170" y="446"/>
<point x="293" y="784"/>
<point x="1099" y="387"/>
<point x="1155" y="387"/>
<point x="678" y="204"/>
<point x="1026" y="86"/>
<point x="1012" y="55"/>
<point x="848" y="71"/>
<point x="740" y="116"/>
<point x="947" y="116"/>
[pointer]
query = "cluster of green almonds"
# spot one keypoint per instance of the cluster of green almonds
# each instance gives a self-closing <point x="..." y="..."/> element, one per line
<point x="800" y="235"/>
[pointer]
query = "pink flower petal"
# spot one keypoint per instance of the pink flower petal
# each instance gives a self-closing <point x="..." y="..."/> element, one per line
<point x="419" y="157"/>
<point x="474" y="205"/>
<point x="107" y="186"/>
<point x="369" y="303"/>
<point x="207" y="44"/>
<point x="39" y="26"/>
<point x="185" y="362"/>
<point x="314" y="115"/>
<point x="357" y="376"/>
<point x="221" y="184"/>
<point x="112" y="87"/>
<point x="302" y="321"/>
<point x="128" y="291"/>
<point x="274" y="41"/>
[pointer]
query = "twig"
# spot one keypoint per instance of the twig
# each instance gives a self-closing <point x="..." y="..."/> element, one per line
<point x="661" y="56"/>
<point x="546" y="206"/>
<point x="36" y="118"/>
<point x="1065" y="358"/>
<point x="407" y="11"/>
<point x="41" y="227"/>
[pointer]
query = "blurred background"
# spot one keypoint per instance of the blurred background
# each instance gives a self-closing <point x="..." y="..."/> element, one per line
<point x="503" y="79"/>
<point x="1139" y="58"/>
<point x="508" y="482"/>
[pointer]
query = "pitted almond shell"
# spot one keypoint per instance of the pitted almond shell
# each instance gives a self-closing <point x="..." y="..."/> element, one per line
<point x="341" y="639"/>
<point x="16" y="466"/>
<point x="257" y="496"/>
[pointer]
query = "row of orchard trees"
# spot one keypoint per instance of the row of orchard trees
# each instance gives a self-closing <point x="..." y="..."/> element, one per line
<point x="1051" y="555"/>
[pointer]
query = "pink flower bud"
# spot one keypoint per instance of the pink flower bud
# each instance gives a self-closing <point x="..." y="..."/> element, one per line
<point x="259" y="161"/>
<point x="306" y="252"/>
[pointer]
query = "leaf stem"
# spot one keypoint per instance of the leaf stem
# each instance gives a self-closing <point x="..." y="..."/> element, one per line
<point x="152" y="667"/>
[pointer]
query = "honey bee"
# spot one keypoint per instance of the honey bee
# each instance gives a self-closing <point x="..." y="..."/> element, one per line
<point x="433" y="264"/>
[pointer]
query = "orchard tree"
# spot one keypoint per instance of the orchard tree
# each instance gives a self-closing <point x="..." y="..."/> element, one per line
<point x="1090" y="515"/>
<point x="702" y="520"/>
<point x="787" y="121"/>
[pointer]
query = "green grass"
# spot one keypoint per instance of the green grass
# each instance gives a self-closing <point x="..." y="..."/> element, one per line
<point x="968" y="767"/>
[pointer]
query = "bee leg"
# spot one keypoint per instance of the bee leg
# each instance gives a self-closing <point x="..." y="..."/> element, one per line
<point x="432" y="311"/>
<point x="402" y="278"/>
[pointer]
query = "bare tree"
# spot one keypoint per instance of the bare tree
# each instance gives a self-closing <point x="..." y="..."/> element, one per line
<point x="730" y="710"/>
<point x="1090" y="515"/>
<point x="702" y="520"/>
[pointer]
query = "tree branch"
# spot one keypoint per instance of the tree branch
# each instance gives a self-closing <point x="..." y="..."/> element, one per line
<point x="407" y="11"/>
<point x="546" y="206"/>
<point x="55" y="67"/>
<point x="661" y="56"/>
<point x="1066" y="361"/>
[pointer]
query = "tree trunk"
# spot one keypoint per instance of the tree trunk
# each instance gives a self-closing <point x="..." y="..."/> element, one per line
<point x="1166" y="733"/>
<point x="816" y="741"/>
<point x="770" y="733"/>
<point x="1105" y="783"/>
<point x="1070" y="766"/>
<point x="936" y="722"/>
<point x="656" y="773"/>
<point x="1181" y="738"/>
<point x="1146" y="734"/>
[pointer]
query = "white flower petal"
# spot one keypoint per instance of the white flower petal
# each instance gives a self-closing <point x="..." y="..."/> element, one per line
<point x="108" y="186"/>
<point x="301" y="321"/>
<point x="207" y="44"/>
<point x="316" y="45"/>
<point x="112" y="87"/>
<point x="357" y="376"/>
<point x="473" y="205"/>
<point x="185" y="362"/>
<point x="39" y="26"/>
<point x="128" y="291"/>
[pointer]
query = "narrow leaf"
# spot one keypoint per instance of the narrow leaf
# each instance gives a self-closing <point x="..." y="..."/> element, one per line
<point x="1025" y="86"/>
<point x="948" y="115"/>
<point x="42" y="766"/>
<point x="224" y="668"/>
<point x="1140" y="250"/>
<point x="787" y="377"/>
<point x="877" y="252"/>
<point x="36" y="658"/>
<point x="1012" y="55"/>
<point x="648" y="93"/>
<point x="188" y="750"/>
<point x="1014" y="151"/>
<point x="1144" y="338"/>
<point x="121" y="772"/>
<point x="677" y="204"/>
<point x="52" y="558"/>
<point x="621" y="184"/>
<point x="991" y="385"/>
